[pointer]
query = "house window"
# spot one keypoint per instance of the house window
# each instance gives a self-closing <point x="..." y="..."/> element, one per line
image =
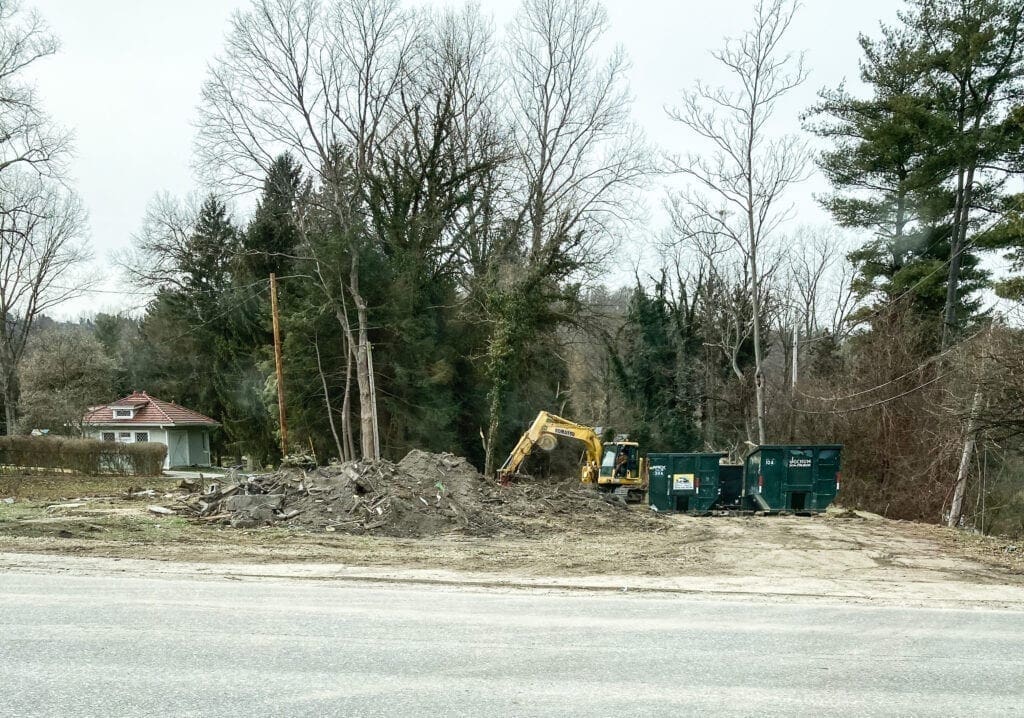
<point x="123" y="413"/>
<point x="124" y="436"/>
<point x="109" y="436"/>
<point x="141" y="436"/>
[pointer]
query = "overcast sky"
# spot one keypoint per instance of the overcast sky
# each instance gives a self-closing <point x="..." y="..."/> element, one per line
<point x="128" y="76"/>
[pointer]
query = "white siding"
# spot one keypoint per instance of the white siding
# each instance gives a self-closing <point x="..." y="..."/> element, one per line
<point x="155" y="435"/>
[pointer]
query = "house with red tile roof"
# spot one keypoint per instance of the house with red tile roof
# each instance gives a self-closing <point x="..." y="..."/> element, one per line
<point x="140" y="417"/>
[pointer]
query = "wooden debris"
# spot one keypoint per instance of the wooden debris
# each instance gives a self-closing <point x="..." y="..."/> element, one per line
<point x="54" y="507"/>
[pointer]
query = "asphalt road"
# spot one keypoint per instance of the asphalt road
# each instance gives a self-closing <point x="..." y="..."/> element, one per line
<point x="126" y="646"/>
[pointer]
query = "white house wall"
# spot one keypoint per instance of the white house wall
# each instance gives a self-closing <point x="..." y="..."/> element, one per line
<point x="179" y="442"/>
<point x="155" y="435"/>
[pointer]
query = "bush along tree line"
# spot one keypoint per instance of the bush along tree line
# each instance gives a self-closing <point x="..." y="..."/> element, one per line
<point x="443" y="202"/>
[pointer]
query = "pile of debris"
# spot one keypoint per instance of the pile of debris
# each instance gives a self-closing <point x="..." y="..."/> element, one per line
<point x="424" y="494"/>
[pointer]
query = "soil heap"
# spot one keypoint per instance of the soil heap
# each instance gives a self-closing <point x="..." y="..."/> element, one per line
<point x="422" y="495"/>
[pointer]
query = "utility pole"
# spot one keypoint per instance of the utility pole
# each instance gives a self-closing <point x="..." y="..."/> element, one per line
<point x="793" y="381"/>
<point x="373" y="393"/>
<point x="796" y="355"/>
<point x="278" y="364"/>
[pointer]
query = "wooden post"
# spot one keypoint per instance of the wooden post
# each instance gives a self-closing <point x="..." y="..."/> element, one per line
<point x="278" y="364"/>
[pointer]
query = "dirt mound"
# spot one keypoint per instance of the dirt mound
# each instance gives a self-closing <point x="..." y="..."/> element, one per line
<point x="446" y="473"/>
<point x="422" y="495"/>
<point x="381" y="497"/>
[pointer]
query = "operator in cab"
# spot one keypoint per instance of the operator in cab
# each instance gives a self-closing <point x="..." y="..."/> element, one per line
<point x="622" y="463"/>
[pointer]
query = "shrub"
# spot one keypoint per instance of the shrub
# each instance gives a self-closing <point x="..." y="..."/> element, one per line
<point x="84" y="456"/>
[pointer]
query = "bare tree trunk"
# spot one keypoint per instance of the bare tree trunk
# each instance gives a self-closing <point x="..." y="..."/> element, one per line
<point x="368" y="439"/>
<point x="709" y="372"/>
<point x="793" y="378"/>
<point x="492" y="434"/>
<point x="10" y="408"/>
<point x="341" y="313"/>
<point x="758" y="358"/>
<point x="956" y="250"/>
<point x="10" y="385"/>
<point x="755" y="284"/>
<point x="327" y="399"/>
<point x="970" y="440"/>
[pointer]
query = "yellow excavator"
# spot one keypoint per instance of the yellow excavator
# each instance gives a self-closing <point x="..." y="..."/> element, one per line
<point x="613" y="466"/>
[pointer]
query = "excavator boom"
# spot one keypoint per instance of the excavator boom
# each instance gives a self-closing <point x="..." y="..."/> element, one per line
<point x="550" y="424"/>
<point x="544" y="432"/>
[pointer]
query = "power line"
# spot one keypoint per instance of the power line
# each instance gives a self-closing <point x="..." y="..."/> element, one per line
<point x="921" y="366"/>
<point x="877" y="403"/>
<point x="153" y="292"/>
<point x="88" y="290"/>
<point x="919" y="282"/>
<point x="916" y="369"/>
<point x="214" y="318"/>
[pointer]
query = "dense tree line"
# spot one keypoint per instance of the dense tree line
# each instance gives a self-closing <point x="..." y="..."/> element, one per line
<point x="440" y="201"/>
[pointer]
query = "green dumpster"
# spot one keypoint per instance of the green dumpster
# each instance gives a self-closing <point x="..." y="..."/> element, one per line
<point x="683" y="482"/>
<point x="792" y="478"/>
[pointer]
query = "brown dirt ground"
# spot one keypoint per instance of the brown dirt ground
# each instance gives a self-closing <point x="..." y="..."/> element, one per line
<point x="97" y="519"/>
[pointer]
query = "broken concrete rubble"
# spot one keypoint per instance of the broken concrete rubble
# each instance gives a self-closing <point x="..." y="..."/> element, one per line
<point x="249" y="502"/>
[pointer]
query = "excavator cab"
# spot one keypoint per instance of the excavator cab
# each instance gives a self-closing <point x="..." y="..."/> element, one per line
<point x="626" y="479"/>
<point x="610" y="461"/>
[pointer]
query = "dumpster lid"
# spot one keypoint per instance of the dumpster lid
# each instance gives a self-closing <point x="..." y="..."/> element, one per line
<point x="756" y="449"/>
<point x="689" y="453"/>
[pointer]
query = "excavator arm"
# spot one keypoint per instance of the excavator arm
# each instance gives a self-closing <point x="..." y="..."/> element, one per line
<point x="556" y="426"/>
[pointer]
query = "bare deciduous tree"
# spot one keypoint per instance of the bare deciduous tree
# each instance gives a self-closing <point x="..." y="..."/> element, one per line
<point x="40" y="223"/>
<point x="65" y="370"/>
<point x="161" y="247"/>
<point x="737" y="187"/>
<point x="576" y="146"/>
<point x="28" y="138"/>
<point x="576" y="156"/>
<point x="41" y="246"/>
<point x="384" y="108"/>
<point x="820" y="278"/>
<point x="325" y="83"/>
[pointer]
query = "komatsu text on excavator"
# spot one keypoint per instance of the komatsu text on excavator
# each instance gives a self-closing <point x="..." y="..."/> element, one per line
<point x="613" y="466"/>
